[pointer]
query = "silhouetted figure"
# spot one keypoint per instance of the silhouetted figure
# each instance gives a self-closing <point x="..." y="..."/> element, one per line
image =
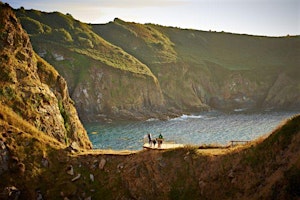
<point x="154" y="142"/>
<point x="150" y="139"/>
<point x="160" y="140"/>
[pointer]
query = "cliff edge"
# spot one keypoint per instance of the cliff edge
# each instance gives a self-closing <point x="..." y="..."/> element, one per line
<point x="32" y="88"/>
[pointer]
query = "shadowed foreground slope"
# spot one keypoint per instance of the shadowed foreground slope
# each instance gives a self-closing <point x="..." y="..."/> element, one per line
<point x="38" y="165"/>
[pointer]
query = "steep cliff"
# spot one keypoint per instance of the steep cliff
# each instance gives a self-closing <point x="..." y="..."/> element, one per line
<point x="283" y="93"/>
<point x="126" y="70"/>
<point x="32" y="88"/>
<point x="112" y="94"/>
<point x="104" y="81"/>
<point x="208" y="69"/>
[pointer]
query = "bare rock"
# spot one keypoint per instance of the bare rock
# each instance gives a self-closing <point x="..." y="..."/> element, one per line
<point x="11" y="193"/>
<point x="92" y="178"/>
<point x="21" y="167"/>
<point x="202" y="185"/>
<point x="102" y="164"/>
<point x="76" y="177"/>
<point x="45" y="162"/>
<point x="95" y="164"/>
<point x="70" y="170"/>
<point x="4" y="157"/>
<point x="74" y="146"/>
<point x="120" y="167"/>
<point x="230" y="174"/>
<point x="39" y="195"/>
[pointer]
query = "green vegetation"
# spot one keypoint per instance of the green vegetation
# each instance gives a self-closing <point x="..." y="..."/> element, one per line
<point x="10" y="117"/>
<point x="151" y="45"/>
<point x="34" y="27"/>
<point x="284" y="134"/>
<point x="279" y="140"/>
<point x="7" y="92"/>
<point x="192" y="70"/>
<point x="66" y="118"/>
<point x="74" y="36"/>
<point x="190" y="64"/>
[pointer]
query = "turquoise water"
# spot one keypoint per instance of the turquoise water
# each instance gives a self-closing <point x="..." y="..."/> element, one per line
<point x="205" y="128"/>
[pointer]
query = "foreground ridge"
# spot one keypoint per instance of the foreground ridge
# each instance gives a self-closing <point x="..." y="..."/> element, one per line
<point x="268" y="168"/>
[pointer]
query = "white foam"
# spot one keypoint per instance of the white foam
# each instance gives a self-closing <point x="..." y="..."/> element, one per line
<point x="240" y="109"/>
<point x="184" y="117"/>
<point x="152" y="119"/>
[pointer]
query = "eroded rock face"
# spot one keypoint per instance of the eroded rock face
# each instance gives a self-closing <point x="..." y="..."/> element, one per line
<point x="283" y="93"/>
<point x="108" y="93"/>
<point x="33" y="88"/>
<point x="4" y="157"/>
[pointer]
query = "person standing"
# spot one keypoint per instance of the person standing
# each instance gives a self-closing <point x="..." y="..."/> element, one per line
<point x="150" y="139"/>
<point x="154" y="142"/>
<point x="160" y="140"/>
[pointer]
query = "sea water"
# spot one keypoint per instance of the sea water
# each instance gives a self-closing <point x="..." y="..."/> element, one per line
<point x="205" y="128"/>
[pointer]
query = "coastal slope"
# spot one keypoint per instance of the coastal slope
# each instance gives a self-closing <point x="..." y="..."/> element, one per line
<point x="104" y="80"/>
<point x="225" y="71"/>
<point x="126" y="70"/>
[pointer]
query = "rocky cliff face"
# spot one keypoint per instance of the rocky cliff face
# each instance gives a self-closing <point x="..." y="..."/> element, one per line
<point x="283" y="93"/>
<point x="123" y="70"/>
<point x="104" y="81"/>
<point x="32" y="88"/>
<point x="214" y="70"/>
<point x="102" y="92"/>
<point x="112" y="94"/>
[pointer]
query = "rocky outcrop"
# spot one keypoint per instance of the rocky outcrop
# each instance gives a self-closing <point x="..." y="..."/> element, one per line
<point x="111" y="94"/>
<point x="283" y="93"/>
<point x="33" y="88"/>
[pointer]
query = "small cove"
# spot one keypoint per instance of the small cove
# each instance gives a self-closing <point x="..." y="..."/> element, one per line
<point x="199" y="129"/>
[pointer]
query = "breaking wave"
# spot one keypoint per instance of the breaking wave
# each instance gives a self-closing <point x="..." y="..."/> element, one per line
<point x="185" y="117"/>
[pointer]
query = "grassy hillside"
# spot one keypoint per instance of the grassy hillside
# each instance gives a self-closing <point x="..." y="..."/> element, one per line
<point x="233" y="51"/>
<point x="109" y="67"/>
<point x="211" y="68"/>
<point x="151" y="45"/>
<point x="74" y="36"/>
